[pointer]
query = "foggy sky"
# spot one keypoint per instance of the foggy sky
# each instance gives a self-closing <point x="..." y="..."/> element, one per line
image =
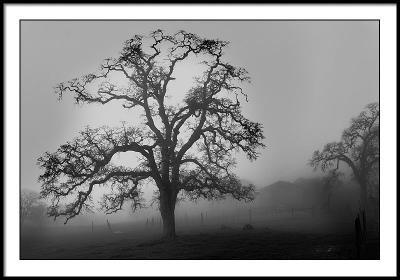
<point x="308" y="80"/>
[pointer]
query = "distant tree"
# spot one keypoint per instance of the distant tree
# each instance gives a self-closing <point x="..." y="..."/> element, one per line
<point x="330" y="181"/>
<point x="38" y="214"/>
<point x="186" y="148"/>
<point x="358" y="148"/>
<point x="28" y="201"/>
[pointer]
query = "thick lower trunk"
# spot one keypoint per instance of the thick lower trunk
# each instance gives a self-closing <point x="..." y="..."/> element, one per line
<point x="363" y="198"/>
<point x="167" y="209"/>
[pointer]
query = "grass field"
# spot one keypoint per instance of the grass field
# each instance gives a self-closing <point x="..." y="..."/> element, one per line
<point x="279" y="239"/>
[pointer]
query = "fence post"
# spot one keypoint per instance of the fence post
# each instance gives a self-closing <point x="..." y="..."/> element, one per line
<point x="364" y="219"/>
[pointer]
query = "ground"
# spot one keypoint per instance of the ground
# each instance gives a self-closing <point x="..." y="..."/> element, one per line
<point x="275" y="241"/>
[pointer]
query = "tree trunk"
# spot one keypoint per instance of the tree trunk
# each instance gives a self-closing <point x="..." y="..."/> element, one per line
<point x="363" y="196"/>
<point x="167" y="209"/>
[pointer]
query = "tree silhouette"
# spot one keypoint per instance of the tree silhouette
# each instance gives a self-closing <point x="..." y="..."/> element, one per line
<point x="329" y="182"/>
<point x="186" y="148"/>
<point x="358" y="148"/>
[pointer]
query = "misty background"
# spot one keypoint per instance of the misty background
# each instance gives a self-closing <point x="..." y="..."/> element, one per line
<point x="308" y="79"/>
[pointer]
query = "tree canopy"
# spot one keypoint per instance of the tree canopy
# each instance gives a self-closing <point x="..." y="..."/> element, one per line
<point x="358" y="148"/>
<point x="186" y="148"/>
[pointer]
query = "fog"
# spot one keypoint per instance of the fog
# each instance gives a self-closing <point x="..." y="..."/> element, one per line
<point x="308" y="80"/>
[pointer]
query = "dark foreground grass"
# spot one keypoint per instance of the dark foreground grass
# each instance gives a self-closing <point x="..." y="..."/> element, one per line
<point x="216" y="243"/>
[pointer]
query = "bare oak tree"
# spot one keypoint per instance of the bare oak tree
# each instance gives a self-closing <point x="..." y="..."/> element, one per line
<point x="358" y="148"/>
<point x="186" y="148"/>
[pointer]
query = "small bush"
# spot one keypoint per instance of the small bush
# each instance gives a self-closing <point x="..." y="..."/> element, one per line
<point x="248" y="227"/>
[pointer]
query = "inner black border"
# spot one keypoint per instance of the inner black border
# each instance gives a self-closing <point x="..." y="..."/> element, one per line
<point x="163" y="20"/>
